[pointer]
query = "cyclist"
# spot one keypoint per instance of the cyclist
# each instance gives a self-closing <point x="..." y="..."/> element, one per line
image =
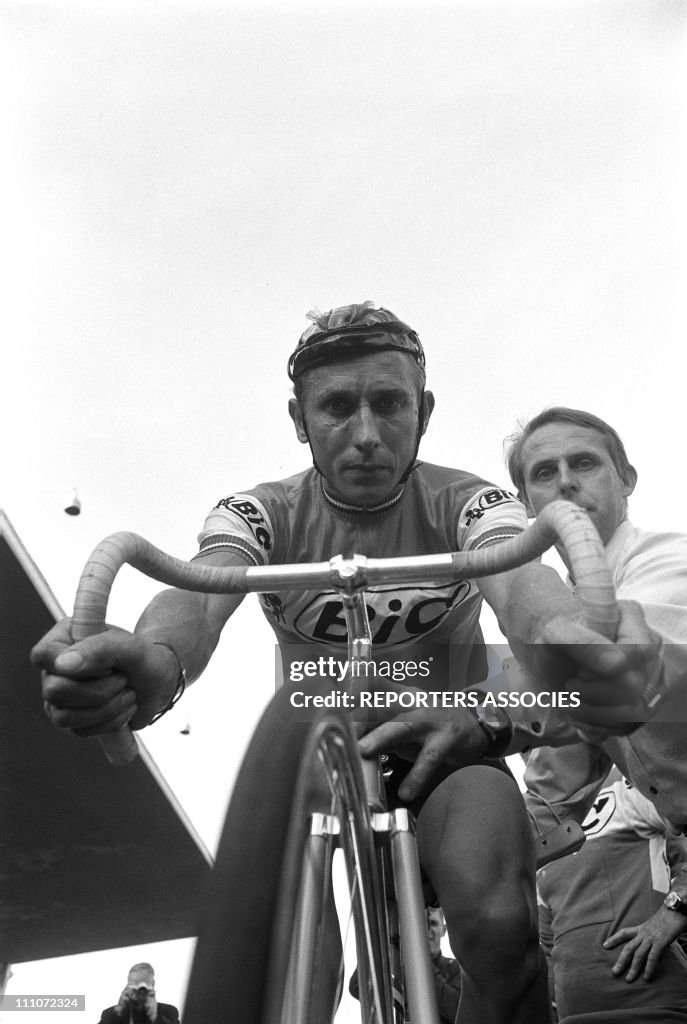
<point x="361" y="405"/>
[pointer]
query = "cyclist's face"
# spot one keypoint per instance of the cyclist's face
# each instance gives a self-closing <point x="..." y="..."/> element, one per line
<point x="361" y="418"/>
<point x="562" y="460"/>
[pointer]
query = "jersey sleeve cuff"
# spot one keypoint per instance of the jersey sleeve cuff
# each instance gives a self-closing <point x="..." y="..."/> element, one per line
<point x="495" y="536"/>
<point x="227" y="542"/>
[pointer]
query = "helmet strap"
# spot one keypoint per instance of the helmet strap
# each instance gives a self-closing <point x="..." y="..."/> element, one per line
<point x="418" y="437"/>
<point x="307" y="436"/>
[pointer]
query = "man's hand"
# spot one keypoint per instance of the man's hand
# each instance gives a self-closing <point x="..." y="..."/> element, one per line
<point x="123" y="1003"/>
<point x="616" y="681"/>
<point x="103" y="682"/>
<point x="645" y="943"/>
<point x="431" y="737"/>
<point x="151" y="1006"/>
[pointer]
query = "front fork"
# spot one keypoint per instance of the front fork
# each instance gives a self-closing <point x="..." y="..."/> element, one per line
<point x="410" y="956"/>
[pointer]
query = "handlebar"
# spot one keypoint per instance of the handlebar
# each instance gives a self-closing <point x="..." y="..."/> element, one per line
<point x="561" y="523"/>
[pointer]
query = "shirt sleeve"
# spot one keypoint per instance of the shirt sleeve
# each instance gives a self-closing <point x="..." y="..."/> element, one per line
<point x="676" y="854"/>
<point x="491" y="515"/>
<point x="564" y="782"/>
<point x="653" y="572"/>
<point x="239" y="523"/>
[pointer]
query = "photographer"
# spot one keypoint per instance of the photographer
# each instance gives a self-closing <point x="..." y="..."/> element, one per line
<point x="137" y="1003"/>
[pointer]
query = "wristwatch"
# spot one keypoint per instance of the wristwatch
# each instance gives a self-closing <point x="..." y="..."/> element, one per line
<point x="498" y="728"/>
<point x="674" y="901"/>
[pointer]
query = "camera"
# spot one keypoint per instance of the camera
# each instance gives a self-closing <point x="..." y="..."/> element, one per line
<point x="140" y="993"/>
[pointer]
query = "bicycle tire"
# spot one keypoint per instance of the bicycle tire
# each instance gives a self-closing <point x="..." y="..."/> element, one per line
<point x="241" y="960"/>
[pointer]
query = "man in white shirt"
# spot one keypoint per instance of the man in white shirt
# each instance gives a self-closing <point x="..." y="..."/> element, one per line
<point x="566" y="453"/>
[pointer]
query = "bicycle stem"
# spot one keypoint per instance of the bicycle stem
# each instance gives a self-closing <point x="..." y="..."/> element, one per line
<point x="349" y="578"/>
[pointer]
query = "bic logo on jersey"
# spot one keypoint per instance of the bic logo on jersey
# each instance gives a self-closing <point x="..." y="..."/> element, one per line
<point x="397" y="615"/>
<point x="488" y="500"/>
<point x="248" y="514"/>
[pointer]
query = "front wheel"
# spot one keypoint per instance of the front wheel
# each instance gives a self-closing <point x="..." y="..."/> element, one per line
<point x="265" y="951"/>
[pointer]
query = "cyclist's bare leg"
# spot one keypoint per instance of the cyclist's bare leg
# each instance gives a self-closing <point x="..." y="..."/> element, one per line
<point x="475" y="846"/>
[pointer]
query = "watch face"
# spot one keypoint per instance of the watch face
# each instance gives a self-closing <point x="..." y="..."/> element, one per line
<point x="674" y="902"/>
<point x="495" y="718"/>
<point x="498" y="727"/>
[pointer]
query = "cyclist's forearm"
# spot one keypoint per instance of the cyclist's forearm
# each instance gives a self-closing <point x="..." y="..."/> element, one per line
<point x="183" y="621"/>
<point x="524" y="600"/>
<point x="541" y="724"/>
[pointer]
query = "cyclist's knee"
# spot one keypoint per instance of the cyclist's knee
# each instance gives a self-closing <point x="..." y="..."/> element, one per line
<point x="493" y="888"/>
<point x="497" y="928"/>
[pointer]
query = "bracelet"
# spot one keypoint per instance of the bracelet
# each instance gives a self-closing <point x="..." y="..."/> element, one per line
<point x="181" y="682"/>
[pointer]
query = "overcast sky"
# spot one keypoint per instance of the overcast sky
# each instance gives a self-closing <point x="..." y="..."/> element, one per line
<point x="181" y="182"/>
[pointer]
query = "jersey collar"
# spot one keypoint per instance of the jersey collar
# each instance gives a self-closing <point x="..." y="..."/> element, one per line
<point x="345" y="509"/>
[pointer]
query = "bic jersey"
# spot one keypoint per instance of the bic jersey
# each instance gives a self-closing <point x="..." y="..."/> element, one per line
<point x="437" y="510"/>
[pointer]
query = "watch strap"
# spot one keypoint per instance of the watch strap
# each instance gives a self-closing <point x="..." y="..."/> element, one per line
<point x="498" y="727"/>
<point x="675" y="902"/>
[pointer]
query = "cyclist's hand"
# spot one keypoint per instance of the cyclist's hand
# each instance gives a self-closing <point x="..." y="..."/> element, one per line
<point x="431" y="738"/>
<point x="99" y="684"/>
<point x="644" y="944"/>
<point x="611" y="678"/>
